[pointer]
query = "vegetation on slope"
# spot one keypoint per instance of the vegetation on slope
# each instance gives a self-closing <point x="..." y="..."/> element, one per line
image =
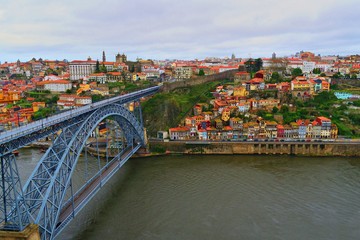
<point x="166" y="110"/>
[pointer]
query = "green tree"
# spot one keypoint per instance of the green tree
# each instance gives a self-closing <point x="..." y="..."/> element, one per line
<point x="42" y="113"/>
<point x="201" y="72"/>
<point x="353" y="76"/>
<point x="96" y="97"/>
<point x="97" y="67"/>
<point x="250" y="66"/>
<point x="103" y="69"/>
<point x="258" y="64"/>
<point x="325" y="98"/>
<point x="337" y="75"/>
<point x="275" y="77"/>
<point x="275" y="110"/>
<point x="296" y="72"/>
<point x="284" y="109"/>
<point x="317" y="71"/>
<point x="334" y="87"/>
<point x="52" y="100"/>
<point x="357" y="103"/>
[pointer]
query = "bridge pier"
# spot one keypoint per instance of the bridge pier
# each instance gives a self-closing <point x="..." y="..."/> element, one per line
<point x="31" y="232"/>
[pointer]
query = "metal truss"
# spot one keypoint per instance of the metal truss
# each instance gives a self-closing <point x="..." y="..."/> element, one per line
<point x="45" y="190"/>
<point x="24" y="135"/>
<point x="39" y="132"/>
<point x="39" y="201"/>
<point x="13" y="213"/>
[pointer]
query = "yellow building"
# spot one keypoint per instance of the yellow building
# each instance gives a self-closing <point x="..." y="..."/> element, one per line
<point x="240" y="92"/>
<point x="225" y="116"/>
<point x="300" y="84"/>
<point x="37" y="105"/>
<point x="333" y="131"/>
<point x="9" y="96"/>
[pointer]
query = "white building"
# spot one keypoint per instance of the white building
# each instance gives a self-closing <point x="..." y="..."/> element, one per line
<point x="98" y="77"/>
<point x="227" y="68"/>
<point x="294" y="63"/>
<point x="81" y="69"/>
<point x="52" y="78"/>
<point x="323" y="66"/>
<point x="183" y="72"/>
<point x="307" y="67"/>
<point x="83" y="100"/>
<point x="68" y="101"/>
<point x="54" y="86"/>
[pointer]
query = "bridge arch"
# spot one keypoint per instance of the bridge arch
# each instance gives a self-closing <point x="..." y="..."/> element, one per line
<point x="45" y="190"/>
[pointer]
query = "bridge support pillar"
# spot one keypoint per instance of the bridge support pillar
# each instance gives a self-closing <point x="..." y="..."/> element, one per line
<point x="31" y="232"/>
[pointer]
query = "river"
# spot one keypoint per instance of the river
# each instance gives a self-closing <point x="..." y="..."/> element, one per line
<point x="223" y="197"/>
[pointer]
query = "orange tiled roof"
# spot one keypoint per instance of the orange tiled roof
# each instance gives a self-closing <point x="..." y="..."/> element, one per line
<point x="228" y="128"/>
<point x="257" y="80"/>
<point x="53" y="82"/>
<point x="179" y="129"/>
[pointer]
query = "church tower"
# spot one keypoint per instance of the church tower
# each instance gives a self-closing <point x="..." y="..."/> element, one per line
<point x="103" y="57"/>
<point x="121" y="58"/>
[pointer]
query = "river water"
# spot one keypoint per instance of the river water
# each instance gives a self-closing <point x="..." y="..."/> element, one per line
<point x="224" y="197"/>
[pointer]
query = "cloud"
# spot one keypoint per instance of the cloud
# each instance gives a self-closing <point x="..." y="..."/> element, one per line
<point x="183" y="29"/>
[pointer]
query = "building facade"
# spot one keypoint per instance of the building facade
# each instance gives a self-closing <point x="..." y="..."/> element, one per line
<point x="81" y="69"/>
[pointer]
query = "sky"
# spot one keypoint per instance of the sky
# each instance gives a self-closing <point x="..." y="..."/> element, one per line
<point x="183" y="29"/>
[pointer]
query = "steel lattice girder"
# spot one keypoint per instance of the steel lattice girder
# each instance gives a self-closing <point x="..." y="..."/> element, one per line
<point x="27" y="136"/>
<point x="13" y="212"/>
<point x="46" y="188"/>
<point x="22" y="141"/>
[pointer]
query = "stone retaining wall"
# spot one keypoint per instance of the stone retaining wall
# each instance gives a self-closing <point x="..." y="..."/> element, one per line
<point x="304" y="149"/>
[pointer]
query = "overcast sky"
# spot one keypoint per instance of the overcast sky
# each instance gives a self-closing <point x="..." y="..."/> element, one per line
<point x="183" y="29"/>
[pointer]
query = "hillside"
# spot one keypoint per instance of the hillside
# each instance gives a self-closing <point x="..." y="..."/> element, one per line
<point x="166" y="110"/>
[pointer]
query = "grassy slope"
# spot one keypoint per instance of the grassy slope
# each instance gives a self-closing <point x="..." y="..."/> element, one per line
<point x="166" y="110"/>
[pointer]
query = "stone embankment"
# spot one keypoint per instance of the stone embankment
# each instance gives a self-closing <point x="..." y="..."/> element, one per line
<point x="346" y="149"/>
<point x="290" y="148"/>
<point x="196" y="80"/>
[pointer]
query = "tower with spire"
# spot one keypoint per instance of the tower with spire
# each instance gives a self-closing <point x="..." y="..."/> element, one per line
<point x="103" y="57"/>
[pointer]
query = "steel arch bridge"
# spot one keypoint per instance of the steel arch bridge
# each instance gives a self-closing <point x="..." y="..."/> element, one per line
<point x="42" y="200"/>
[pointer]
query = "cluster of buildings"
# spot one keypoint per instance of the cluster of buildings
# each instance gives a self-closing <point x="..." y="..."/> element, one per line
<point x="201" y="129"/>
<point x="92" y="77"/>
<point x="300" y="87"/>
<point x="16" y="116"/>
<point x="308" y="61"/>
<point x="223" y="121"/>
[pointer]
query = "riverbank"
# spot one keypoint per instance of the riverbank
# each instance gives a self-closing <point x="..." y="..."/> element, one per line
<point x="346" y="149"/>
